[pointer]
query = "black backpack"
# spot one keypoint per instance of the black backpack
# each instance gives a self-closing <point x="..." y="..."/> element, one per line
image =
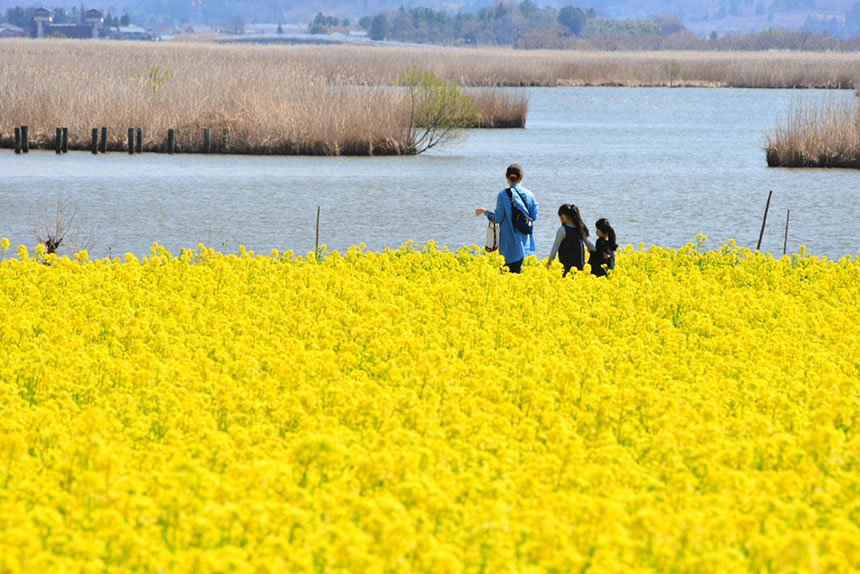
<point x="520" y="217"/>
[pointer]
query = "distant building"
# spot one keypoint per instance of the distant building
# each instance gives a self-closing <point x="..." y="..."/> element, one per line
<point x="42" y="18"/>
<point x="133" y="33"/>
<point x="199" y="30"/>
<point x="95" y="18"/>
<point x="43" y="26"/>
<point x="162" y="32"/>
<point x="10" y="31"/>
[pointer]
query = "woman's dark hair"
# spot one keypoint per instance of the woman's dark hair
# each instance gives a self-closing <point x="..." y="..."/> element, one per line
<point x="514" y="171"/>
<point x="572" y="211"/>
<point x="603" y="225"/>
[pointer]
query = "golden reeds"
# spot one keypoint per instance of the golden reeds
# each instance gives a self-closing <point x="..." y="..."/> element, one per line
<point x="507" y="67"/>
<point x="820" y="134"/>
<point x="327" y="99"/>
<point x="263" y="103"/>
<point x="499" y="108"/>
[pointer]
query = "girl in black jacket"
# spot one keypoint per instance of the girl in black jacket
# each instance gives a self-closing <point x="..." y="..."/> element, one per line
<point x="602" y="258"/>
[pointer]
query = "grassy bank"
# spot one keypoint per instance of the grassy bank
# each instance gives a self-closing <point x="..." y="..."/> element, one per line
<point x="332" y="99"/>
<point x="825" y="134"/>
<point x="256" y="100"/>
<point x="504" y="67"/>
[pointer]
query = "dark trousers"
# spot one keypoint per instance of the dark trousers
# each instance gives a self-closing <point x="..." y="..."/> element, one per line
<point x="515" y="267"/>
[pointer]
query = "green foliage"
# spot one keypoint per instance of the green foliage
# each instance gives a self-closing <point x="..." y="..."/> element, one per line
<point x="671" y="69"/>
<point x="630" y="26"/>
<point x="379" y="29"/>
<point x="154" y="76"/>
<point x="19" y="16"/>
<point x="438" y="109"/>
<point x="322" y="24"/>
<point x="572" y="18"/>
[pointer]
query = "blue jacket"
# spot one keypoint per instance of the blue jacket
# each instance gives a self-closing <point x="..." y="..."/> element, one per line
<point x="514" y="245"/>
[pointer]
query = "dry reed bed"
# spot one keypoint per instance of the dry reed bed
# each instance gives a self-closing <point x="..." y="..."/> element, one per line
<point x="266" y="101"/>
<point x="506" y="67"/>
<point x="819" y="134"/>
<point x="330" y="99"/>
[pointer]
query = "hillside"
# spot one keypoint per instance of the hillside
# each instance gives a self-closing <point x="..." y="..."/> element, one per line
<point x="700" y="16"/>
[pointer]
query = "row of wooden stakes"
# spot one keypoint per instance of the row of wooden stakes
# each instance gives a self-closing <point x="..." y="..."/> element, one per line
<point x="99" y="140"/>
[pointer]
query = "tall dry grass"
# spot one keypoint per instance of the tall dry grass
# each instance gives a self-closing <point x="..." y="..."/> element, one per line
<point x="507" y="67"/>
<point x="499" y="108"/>
<point x="264" y="103"/>
<point x="328" y="99"/>
<point x="819" y="134"/>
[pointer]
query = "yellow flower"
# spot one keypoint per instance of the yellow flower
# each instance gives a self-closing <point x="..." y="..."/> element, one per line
<point x="416" y="410"/>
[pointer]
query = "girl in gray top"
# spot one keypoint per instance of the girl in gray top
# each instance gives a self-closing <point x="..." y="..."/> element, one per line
<point x="571" y="239"/>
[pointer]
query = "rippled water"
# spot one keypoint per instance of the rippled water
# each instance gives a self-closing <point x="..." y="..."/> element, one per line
<point x="662" y="164"/>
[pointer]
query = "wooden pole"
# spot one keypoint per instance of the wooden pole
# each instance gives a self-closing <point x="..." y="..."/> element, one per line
<point x="138" y="146"/>
<point x="207" y="140"/>
<point x="317" y="243"/>
<point x="17" y="141"/>
<point x="785" y="241"/>
<point x="224" y="140"/>
<point x="25" y="139"/>
<point x="65" y="140"/>
<point x="59" y="142"/>
<point x="95" y="145"/>
<point x="103" y="142"/>
<point x="130" y="141"/>
<point x="171" y="140"/>
<point x="763" y="221"/>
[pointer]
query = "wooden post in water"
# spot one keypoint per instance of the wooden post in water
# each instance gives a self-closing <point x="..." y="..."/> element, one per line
<point x="171" y="140"/>
<point x="763" y="221"/>
<point x="317" y="243"/>
<point x="224" y="140"/>
<point x="785" y="241"/>
<point x="130" y="141"/>
<point x="207" y="140"/>
<point x="59" y="142"/>
<point x="17" y="141"/>
<point x="103" y="142"/>
<point x="138" y="146"/>
<point x="25" y="139"/>
<point x="95" y="144"/>
<point x="65" y="140"/>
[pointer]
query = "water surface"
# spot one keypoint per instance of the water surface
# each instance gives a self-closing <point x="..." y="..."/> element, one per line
<point x="662" y="164"/>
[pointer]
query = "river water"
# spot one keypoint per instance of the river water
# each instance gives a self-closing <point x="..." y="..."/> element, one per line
<point x="662" y="164"/>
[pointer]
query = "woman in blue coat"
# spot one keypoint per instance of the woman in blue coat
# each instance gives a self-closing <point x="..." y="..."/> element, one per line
<point x="513" y="244"/>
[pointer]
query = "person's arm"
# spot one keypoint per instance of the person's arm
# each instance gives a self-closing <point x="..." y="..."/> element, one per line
<point x="498" y="216"/>
<point x="589" y="245"/>
<point x="559" y="237"/>
<point x="602" y="251"/>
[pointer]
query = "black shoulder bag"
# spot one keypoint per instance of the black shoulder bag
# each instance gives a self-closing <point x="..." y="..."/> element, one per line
<point x="521" y="220"/>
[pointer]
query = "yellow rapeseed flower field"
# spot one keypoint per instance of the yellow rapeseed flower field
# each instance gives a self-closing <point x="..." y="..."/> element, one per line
<point x="416" y="410"/>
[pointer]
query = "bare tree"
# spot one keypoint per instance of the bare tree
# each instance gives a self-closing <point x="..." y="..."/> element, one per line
<point x="57" y="228"/>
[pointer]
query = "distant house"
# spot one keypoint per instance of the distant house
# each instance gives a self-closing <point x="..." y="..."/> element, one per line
<point x="41" y="18"/>
<point x="10" y="31"/>
<point x="162" y="32"/>
<point x="77" y="31"/>
<point x="44" y="26"/>
<point x="199" y="30"/>
<point x="133" y="33"/>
